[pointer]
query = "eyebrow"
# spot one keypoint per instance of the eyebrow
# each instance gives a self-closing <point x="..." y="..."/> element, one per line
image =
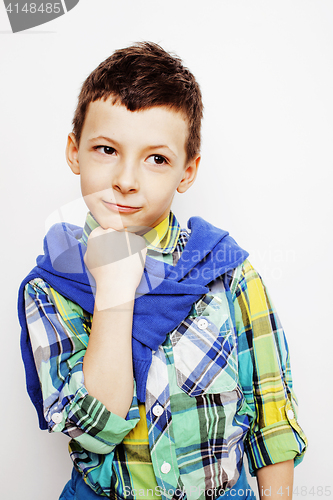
<point x="161" y="146"/>
<point x="104" y="138"/>
<point x="148" y="148"/>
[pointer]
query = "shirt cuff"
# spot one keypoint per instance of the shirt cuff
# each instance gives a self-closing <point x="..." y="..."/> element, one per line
<point x="90" y="423"/>
<point x="279" y="442"/>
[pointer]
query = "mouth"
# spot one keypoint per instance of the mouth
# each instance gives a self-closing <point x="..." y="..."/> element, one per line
<point x="114" y="207"/>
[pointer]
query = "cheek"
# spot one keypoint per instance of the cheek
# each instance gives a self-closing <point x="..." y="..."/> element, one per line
<point x="161" y="197"/>
<point x="87" y="188"/>
<point x="91" y="184"/>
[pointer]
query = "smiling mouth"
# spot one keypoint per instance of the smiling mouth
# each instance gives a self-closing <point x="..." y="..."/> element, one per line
<point x="121" y="208"/>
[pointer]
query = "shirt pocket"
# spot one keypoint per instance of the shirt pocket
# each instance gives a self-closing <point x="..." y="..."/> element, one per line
<point x="205" y="355"/>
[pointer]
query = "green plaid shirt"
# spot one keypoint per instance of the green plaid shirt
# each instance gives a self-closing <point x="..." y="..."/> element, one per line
<point x="219" y="384"/>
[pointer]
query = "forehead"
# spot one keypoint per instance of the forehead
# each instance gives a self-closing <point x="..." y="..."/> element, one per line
<point x="158" y="124"/>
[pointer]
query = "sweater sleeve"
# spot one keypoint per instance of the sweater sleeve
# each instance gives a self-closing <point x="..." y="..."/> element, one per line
<point x="265" y="376"/>
<point x="59" y="335"/>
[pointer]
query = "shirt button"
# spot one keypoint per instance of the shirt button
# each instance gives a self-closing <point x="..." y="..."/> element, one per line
<point x="158" y="410"/>
<point x="57" y="418"/>
<point x="290" y="414"/>
<point x="165" y="468"/>
<point x="202" y="324"/>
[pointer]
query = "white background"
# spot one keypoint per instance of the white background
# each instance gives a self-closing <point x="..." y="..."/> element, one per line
<point x="265" y="68"/>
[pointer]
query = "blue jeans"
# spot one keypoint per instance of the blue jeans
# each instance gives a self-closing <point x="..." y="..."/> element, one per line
<point x="76" y="489"/>
<point x="240" y="491"/>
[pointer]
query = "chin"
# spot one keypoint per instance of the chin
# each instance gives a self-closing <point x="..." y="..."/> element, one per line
<point x="114" y="222"/>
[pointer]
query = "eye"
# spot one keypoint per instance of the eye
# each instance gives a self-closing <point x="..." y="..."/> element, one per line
<point x="107" y="150"/>
<point x="157" y="160"/>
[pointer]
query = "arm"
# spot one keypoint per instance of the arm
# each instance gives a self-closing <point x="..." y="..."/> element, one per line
<point x="108" y="365"/>
<point x="265" y="377"/>
<point x="59" y="333"/>
<point x="275" y="481"/>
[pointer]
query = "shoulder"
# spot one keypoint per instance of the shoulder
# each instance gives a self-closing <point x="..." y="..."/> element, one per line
<point x="243" y="271"/>
<point x="40" y="292"/>
<point x="243" y="277"/>
<point x="36" y="286"/>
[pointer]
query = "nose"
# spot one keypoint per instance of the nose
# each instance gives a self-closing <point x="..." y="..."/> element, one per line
<point x="125" y="178"/>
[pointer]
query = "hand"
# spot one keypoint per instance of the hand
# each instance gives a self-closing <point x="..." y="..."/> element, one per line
<point x="116" y="261"/>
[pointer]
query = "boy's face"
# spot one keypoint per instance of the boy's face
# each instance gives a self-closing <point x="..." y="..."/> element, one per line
<point x="131" y="163"/>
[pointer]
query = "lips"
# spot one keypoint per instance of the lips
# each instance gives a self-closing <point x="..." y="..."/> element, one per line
<point x="121" y="208"/>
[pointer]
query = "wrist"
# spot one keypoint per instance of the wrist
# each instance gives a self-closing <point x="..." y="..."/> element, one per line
<point x="111" y="296"/>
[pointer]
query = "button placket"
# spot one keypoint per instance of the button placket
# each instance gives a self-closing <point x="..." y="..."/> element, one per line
<point x="164" y="459"/>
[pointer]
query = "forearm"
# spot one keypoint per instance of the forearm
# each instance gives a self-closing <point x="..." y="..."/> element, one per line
<point x="276" y="480"/>
<point x="107" y="365"/>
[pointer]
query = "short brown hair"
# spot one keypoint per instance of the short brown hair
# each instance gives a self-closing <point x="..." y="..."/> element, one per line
<point x="140" y="77"/>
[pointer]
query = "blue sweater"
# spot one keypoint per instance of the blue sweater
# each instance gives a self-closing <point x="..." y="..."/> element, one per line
<point x="165" y="295"/>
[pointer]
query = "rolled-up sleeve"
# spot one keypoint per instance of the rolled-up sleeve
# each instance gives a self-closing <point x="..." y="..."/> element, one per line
<point x="59" y="334"/>
<point x="265" y="376"/>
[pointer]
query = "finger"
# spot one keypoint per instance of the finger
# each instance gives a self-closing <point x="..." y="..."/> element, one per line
<point x="99" y="231"/>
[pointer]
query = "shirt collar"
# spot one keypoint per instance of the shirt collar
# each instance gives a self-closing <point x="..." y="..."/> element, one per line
<point x="162" y="238"/>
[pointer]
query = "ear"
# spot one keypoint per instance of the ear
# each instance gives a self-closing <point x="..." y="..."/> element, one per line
<point x="190" y="174"/>
<point x="72" y="154"/>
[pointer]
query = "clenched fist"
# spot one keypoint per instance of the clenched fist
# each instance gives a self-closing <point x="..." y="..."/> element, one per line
<point x="116" y="261"/>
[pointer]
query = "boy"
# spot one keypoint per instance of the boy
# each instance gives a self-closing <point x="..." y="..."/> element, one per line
<point x="158" y="350"/>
